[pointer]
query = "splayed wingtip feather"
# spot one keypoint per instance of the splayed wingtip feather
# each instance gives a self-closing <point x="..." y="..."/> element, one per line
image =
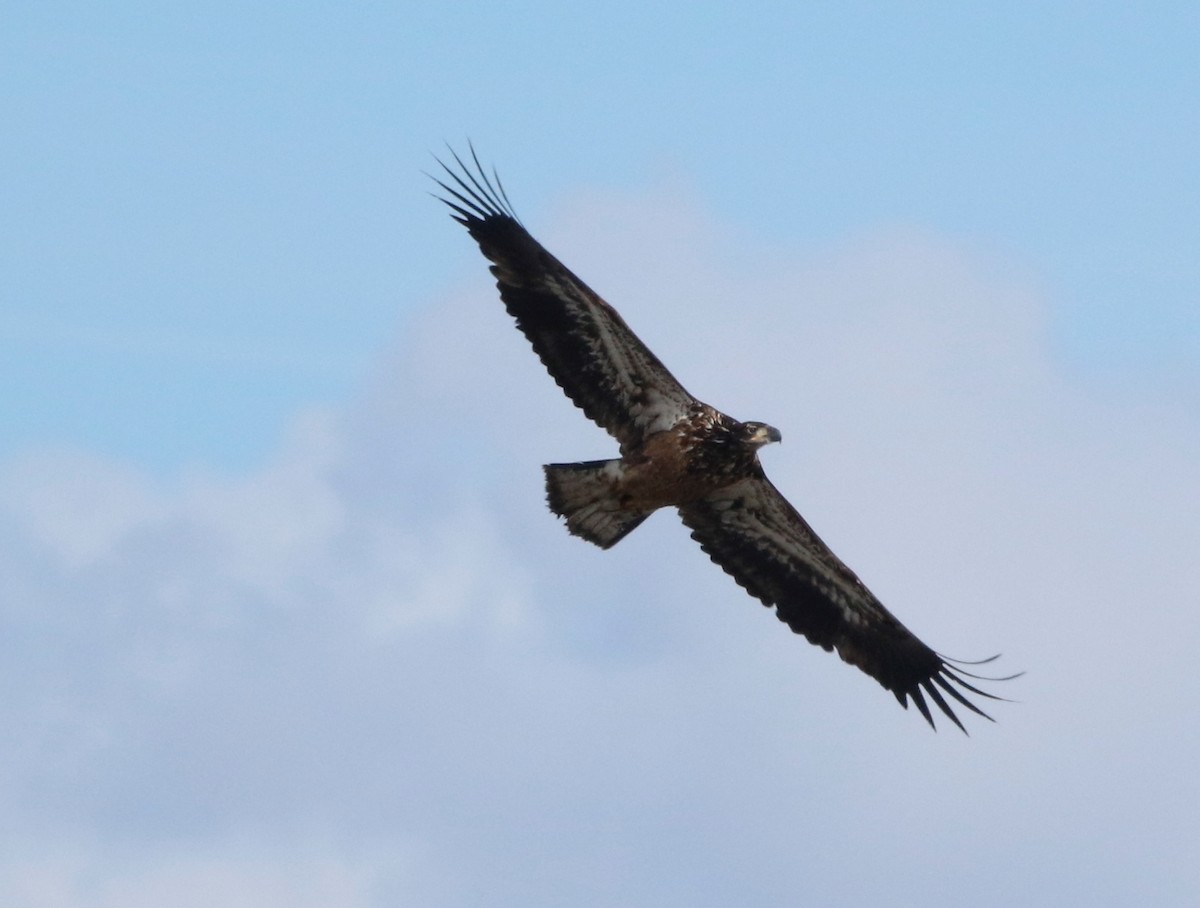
<point x="937" y="697"/>
<point x="945" y="685"/>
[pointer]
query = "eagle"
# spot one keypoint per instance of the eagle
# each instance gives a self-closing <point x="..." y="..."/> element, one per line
<point x="677" y="451"/>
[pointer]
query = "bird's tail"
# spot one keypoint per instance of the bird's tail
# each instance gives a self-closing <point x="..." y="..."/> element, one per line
<point x="583" y="494"/>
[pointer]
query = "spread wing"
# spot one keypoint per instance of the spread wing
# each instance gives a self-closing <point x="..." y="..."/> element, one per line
<point x="757" y="537"/>
<point x="586" y="346"/>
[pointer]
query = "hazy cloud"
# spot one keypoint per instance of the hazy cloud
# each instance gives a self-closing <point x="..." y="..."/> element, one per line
<point x="376" y="671"/>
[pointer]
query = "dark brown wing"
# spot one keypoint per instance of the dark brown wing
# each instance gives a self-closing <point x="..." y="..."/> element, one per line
<point x="586" y="346"/>
<point x="751" y="531"/>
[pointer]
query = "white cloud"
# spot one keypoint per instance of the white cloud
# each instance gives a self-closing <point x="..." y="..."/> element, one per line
<point x="382" y="636"/>
<point x="88" y="876"/>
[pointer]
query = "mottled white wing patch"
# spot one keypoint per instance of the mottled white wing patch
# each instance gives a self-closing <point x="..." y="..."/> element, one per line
<point x="650" y="398"/>
<point x="750" y="523"/>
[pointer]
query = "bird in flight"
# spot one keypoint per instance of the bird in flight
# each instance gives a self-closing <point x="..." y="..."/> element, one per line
<point x="677" y="451"/>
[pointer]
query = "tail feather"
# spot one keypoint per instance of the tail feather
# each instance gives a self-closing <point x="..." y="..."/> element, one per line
<point x="583" y="494"/>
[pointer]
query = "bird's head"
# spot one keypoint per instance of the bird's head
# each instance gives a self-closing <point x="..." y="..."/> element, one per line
<point x="759" y="434"/>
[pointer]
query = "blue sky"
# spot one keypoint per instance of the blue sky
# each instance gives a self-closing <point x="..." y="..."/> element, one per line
<point x="213" y="217"/>
<point x="285" y="621"/>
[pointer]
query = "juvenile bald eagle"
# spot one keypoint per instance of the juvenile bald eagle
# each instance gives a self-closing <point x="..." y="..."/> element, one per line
<point x="678" y="451"/>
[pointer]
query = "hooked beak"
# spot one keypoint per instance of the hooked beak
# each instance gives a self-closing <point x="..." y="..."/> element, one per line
<point x="764" y="435"/>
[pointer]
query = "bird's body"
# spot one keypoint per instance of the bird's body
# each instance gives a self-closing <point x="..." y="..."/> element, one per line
<point x="703" y="453"/>
<point x="677" y="451"/>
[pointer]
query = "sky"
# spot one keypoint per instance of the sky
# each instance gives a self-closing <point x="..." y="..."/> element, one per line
<point x="285" y="619"/>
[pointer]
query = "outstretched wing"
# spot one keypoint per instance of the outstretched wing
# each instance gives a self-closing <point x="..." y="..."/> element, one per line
<point x="586" y="346"/>
<point x="757" y="537"/>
